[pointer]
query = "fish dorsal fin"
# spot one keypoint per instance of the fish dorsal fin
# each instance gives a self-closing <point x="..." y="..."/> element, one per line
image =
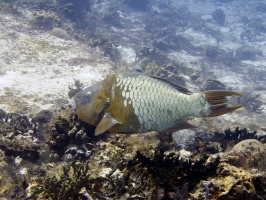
<point x="177" y="87"/>
<point x="180" y="126"/>
<point x="105" y="124"/>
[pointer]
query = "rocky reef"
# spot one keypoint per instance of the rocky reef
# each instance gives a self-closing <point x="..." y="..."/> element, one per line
<point x="70" y="162"/>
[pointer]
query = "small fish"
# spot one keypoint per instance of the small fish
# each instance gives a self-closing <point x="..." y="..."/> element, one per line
<point x="137" y="103"/>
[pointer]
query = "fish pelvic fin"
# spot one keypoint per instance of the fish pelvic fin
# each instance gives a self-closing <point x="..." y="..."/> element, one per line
<point x="105" y="124"/>
<point x="218" y="102"/>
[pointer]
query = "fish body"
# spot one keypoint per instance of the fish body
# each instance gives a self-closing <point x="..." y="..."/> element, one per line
<point x="137" y="103"/>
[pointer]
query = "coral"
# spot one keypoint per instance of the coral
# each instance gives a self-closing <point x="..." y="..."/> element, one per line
<point x="79" y="153"/>
<point x="15" y="192"/>
<point x="219" y="16"/>
<point x="229" y="183"/>
<point x="108" y="155"/>
<point x="117" y="166"/>
<point x="165" y="174"/>
<point x="59" y="32"/>
<point x="67" y="129"/>
<point x="19" y="136"/>
<point x="44" y="116"/>
<point x="134" y="143"/>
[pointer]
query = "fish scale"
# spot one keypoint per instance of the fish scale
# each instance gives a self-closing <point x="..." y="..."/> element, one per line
<point x="136" y="103"/>
<point x="150" y="97"/>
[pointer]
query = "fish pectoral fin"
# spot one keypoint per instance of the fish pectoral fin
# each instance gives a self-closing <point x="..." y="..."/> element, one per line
<point x="180" y="126"/>
<point x="105" y="124"/>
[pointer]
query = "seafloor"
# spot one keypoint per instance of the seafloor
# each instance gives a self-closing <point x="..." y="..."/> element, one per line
<point x="50" y="49"/>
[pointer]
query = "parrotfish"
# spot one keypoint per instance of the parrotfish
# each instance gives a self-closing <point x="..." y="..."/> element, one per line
<point x="137" y="103"/>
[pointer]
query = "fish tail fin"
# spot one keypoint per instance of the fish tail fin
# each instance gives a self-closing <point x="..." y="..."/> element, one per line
<point x="218" y="102"/>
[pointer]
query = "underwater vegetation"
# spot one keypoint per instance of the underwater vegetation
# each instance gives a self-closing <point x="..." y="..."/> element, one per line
<point x="66" y="185"/>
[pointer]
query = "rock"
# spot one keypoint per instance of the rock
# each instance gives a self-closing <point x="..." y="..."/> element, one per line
<point x="145" y="143"/>
<point x="44" y="116"/>
<point x="229" y="183"/>
<point x="248" y="153"/>
<point x="184" y="139"/>
<point x="59" y="32"/>
<point x="212" y="85"/>
<point x="2" y="115"/>
<point x="46" y="19"/>
<point x="247" y="53"/>
<point x="212" y="51"/>
<point x="219" y="16"/>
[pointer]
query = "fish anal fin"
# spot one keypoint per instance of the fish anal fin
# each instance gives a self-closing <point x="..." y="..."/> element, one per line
<point x="105" y="124"/>
<point x="180" y="126"/>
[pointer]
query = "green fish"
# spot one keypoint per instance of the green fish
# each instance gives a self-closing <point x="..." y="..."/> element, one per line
<point x="137" y="103"/>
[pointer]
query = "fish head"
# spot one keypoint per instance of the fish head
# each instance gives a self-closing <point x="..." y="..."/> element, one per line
<point x="91" y="104"/>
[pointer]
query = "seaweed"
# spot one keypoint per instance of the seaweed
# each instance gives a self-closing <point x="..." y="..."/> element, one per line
<point x="67" y="185"/>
